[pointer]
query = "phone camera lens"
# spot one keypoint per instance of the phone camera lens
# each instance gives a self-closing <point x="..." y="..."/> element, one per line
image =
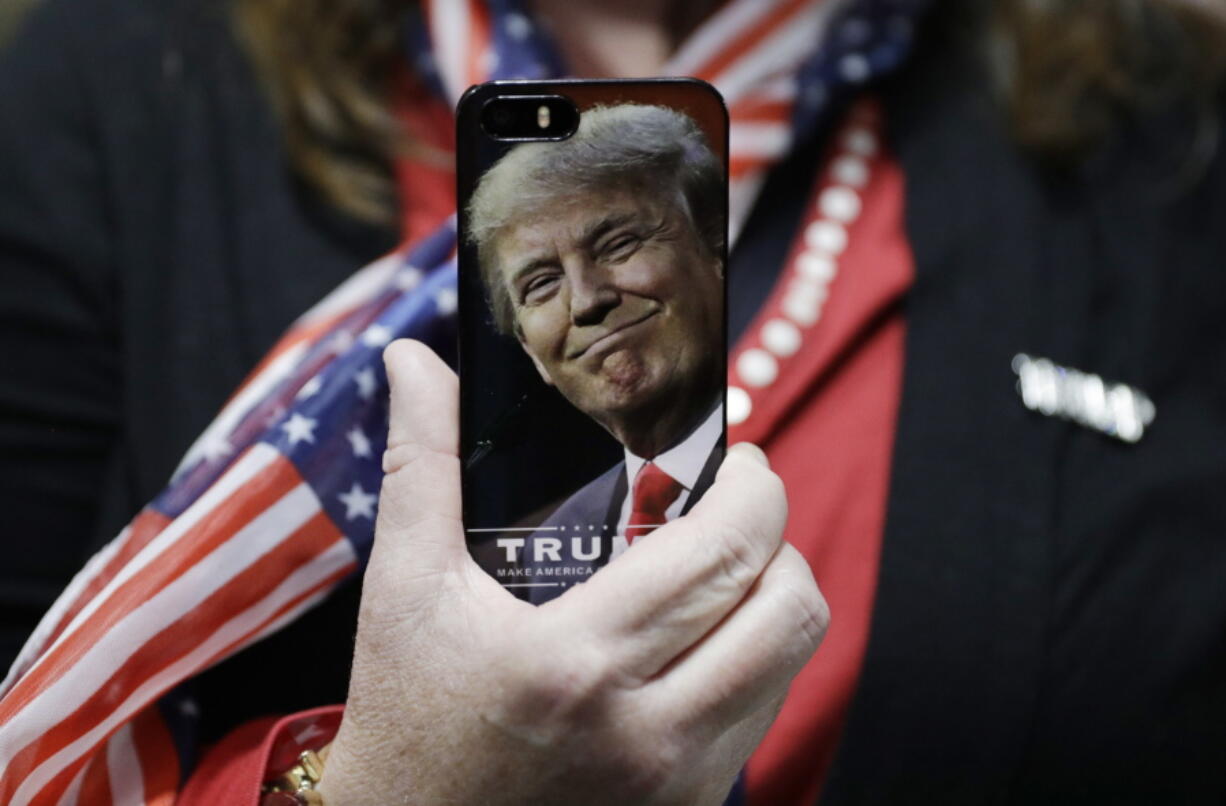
<point x="501" y="117"/>
<point x="519" y="118"/>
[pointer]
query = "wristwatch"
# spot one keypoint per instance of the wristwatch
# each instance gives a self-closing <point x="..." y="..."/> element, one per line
<point x="297" y="785"/>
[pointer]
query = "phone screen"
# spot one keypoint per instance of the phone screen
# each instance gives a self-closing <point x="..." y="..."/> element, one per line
<point x="593" y="229"/>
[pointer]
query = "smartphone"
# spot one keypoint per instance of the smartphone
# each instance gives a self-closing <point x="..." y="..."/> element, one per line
<point x="593" y="335"/>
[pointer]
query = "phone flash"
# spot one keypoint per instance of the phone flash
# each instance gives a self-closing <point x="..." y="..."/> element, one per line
<point x="542" y="116"/>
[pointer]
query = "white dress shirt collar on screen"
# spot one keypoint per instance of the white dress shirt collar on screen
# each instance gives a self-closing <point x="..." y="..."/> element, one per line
<point x="684" y="462"/>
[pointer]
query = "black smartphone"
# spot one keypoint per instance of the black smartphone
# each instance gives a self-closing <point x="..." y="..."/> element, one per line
<point x="593" y="336"/>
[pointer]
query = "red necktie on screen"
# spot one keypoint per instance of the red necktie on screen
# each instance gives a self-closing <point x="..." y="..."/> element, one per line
<point x="654" y="492"/>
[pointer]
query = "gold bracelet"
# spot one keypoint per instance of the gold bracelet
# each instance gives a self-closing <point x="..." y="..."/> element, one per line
<point x="298" y="786"/>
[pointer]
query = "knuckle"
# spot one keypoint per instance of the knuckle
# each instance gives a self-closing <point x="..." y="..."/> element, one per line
<point x="410" y="491"/>
<point x="414" y="455"/>
<point x="739" y="553"/>
<point x="808" y="611"/>
<point x="745" y="528"/>
<point x="814" y="616"/>
<point x="560" y="688"/>
<point x="647" y="767"/>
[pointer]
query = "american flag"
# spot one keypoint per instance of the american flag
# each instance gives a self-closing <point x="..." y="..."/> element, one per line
<point x="275" y="503"/>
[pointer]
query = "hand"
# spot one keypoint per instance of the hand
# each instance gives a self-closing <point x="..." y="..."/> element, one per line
<point x="651" y="683"/>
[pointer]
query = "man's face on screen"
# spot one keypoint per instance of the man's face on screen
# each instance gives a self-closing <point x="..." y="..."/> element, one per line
<point x="617" y="303"/>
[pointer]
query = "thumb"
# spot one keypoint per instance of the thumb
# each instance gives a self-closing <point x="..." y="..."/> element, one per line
<point x="419" y="535"/>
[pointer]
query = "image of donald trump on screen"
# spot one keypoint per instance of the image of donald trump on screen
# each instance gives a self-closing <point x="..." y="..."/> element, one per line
<point x="602" y="255"/>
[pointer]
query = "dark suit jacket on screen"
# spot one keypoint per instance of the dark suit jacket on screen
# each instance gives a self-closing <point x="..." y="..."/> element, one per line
<point x="594" y="511"/>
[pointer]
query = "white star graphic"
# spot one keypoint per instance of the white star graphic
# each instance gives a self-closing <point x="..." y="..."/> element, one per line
<point x="518" y="26"/>
<point x="445" y="302"/>
<point x="310" y="388"/>
<point x="365" y="379"/>
<point x="299" y="429"/>
<point x="376" y="335"/>
<point x="361" y="445"/>
<point x="358" y="502"/>
<point x="408" y="278"/>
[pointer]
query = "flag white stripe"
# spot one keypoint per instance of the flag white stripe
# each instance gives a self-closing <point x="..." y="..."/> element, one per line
<point x="741" y="196"/>
<point x="780" y="89"/>
<point x="319" y="568"/>
<point x="714" y="34"/>
<point x="252" y="393"/>
<point x="246" y="468"/>
<point x="123" y="766"/>
<point x="131" y="633"/>
<point x="759" y="140"/>
<point x="780" y="53"/>
<point x="450" y="36"/>
<point x="42" y="633"/>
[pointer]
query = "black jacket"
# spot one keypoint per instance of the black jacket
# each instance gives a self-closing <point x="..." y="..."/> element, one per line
<point x="152" y="247"/>
<point x="1049" y="618"/>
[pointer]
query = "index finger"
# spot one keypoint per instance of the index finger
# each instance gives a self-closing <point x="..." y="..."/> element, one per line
<point x="672" y="586"/>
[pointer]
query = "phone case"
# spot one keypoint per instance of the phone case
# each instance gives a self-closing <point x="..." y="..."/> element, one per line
<point x="592" y="320"/>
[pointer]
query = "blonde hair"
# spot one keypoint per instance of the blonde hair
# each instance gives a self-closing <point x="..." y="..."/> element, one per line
<point x="651" y="150"/>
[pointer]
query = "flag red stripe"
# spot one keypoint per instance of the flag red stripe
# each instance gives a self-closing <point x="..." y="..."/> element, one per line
<point x="751" y="38"/>
<point x="761" y="111"/>
<point x="213" y="529"/>
<point x="180" y="638"/>
<point x="479" y="41"/>
<point x="159" y="762"/>
<point x="146" y="526"/>
<point x="96" y="791"/>
<point x="327" y="582"/>
<point x="739" y="167"/>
